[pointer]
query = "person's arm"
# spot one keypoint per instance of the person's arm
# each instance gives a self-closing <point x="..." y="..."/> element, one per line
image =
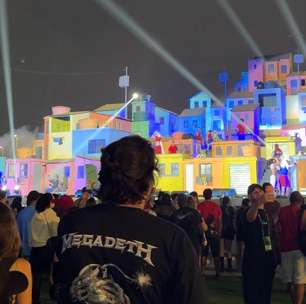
<point x="190" y="286"/>
<point x="24" y="267"/>
<point x="253" y="211"/>
<point x="303" y="220"/>
<point x="204" y="225"/>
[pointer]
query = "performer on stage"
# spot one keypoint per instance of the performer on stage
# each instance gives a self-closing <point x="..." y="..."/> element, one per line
<point x="172" y="148"/>
<point x="241" y="130"/>
<point x="284" y="180"/>
<point x="157" y="144"/>
<point x="277" y="153"/>
<point x="199" y="141"/>
<point x="274" y="167"/>
<point x="209" y="140"/>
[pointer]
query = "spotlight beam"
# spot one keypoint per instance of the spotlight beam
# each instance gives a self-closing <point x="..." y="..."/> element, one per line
<point x="5" y="50"/>
<point x="135" y="29"/>
<point x="234" y="18"/>
<point x="108" y="121"/>
<point x="292" y="24"/>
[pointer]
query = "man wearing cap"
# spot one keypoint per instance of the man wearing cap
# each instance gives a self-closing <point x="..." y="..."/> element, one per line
<point x="259" y="261"/>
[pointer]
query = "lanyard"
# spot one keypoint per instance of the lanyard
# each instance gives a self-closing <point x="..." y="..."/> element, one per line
<point x="264" y="223"/>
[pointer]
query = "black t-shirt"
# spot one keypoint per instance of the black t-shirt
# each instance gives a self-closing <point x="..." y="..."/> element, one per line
<point x="190" y="220"/>
<point x="253" y="237"/>
<point x="124" y="255"/>
<point x="228" y="217"/>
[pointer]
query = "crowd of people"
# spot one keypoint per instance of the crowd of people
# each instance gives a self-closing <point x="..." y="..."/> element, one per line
<point x="133" y="246"/>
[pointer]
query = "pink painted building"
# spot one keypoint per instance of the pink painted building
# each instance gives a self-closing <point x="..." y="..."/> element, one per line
<point x="296" y="83"/>
<point x="24" y="175"/>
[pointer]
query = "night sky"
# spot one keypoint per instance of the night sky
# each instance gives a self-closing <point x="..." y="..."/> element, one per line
<point x="63" y="37"/>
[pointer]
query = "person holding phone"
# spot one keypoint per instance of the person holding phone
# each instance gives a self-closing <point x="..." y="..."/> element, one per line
<point x="259" y="261"/>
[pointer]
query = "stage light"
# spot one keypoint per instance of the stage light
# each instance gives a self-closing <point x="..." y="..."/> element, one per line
<point x="4" y="188"/>
<point x="134" y="28"/>
<point x="292" y="24"/>
<point x="16" y="188"/>
<point x="6" y="61"/>
<point x="232" y="15"/>
<point x="135" y="95"/>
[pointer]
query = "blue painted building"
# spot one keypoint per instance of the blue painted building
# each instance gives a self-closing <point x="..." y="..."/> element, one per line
<point x="89" y="142"/>
<point x="165" y="121"/>
<point x="200" y="100"/>
<point x="272" y="103"/>
<point x="191" y="120"/>
<point x="217" y="118"/>
<point x="302" y="108"/>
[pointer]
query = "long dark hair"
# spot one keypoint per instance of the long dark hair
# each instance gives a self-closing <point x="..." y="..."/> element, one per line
<point x="128" y="169"/>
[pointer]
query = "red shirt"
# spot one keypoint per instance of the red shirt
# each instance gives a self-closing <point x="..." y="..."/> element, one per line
<point x="172" y="148"/>
<point x="208" y="208"/>
<point x="241" y="129"/>
<point x="289" y="218"/>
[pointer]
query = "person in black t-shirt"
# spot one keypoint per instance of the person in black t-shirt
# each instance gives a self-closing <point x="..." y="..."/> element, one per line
<point x="117" y="253"/>
<point x="190" y="220"/>
<point x="259" y="261"/>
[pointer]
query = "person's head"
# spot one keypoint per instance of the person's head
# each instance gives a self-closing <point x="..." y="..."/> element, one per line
<point x="32" y="198"/>
<point x="16" y="204"/>
<point x="43" y="203"/>
<point x="255" y="192"/>
<point x="296" y="198"/>
<point x="164" y="198"/>
<point x="207" y="193"/>
<point x="2" y="196"/>
<point x="9" y="235"/>
<point x="245" y="203"/>
<point x="91" y="202"/>
<point x="268" y="188"/>
<point x="276" y="146"/>
<point x="182" y="200"/>
<point x="85" y="194"/>
<point x="195" y="196"/>
<point x="191" y="202"/>
<point x="128" y="168"/>
<point x="225" y="201"/>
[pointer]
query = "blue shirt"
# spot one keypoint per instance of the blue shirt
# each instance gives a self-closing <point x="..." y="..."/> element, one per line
<point x="24" y="219"/>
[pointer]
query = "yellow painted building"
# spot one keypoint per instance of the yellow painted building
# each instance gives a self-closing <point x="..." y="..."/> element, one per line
<point x="286" y="143"/>
<point x="171" y="172"/>
<point x="60" y="134"/>
<point x="224" y="172"/>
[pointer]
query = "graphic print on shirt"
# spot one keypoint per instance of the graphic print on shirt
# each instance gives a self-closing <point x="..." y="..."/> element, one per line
<point x="108" y="283"/>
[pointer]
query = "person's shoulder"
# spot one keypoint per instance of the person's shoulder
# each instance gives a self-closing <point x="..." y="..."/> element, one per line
<point x="21" y="265"/>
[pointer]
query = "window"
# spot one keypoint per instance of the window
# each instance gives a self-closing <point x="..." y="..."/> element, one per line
<point x="284" y="69"/>
<point x="66" y="171"/>
<point x="204" y="103"/>
<point x="217" y="125"/>
<point x="58" y="140"/>
<point x="216" y="112"/>
<point x="271" y="68"/>
<point x="206" y="171"/>
<point x="255" y="83"/>
<point x="186" y="124"/>
<point x="195" y="123"/>
<point x="12" y="170"/>
<point x="254" y="67"/>
<point x="303" y="82"/>
<point x="294" y="83"/>
<point x="240" y="150"/>
<point x="95" y="145"/>
<point x="218" y="151"/>
<point x="81" y="172"/>
<point x="196" y="104"/>
<point x="229" y="151"/>
<point x="162" y="169"/>
<point x="247" y="117"/>
<point x="175" y="169"/>
<point x="231" y="104"/>
<point x="23" y="170"/>
<point x="138" y="108"/>
<point x="162" y="120"/>
<point x="240" y="102"/>
<point x="250" y="101"/>
<point x="38" y="152"/>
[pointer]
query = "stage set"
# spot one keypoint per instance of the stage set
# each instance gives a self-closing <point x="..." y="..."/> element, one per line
<point x="258" y="135"/>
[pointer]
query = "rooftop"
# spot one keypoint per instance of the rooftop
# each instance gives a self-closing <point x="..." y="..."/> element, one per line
<point x="109" y="107"/>
<point x="193" y="112"/>
<point x="244" y="108"/>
